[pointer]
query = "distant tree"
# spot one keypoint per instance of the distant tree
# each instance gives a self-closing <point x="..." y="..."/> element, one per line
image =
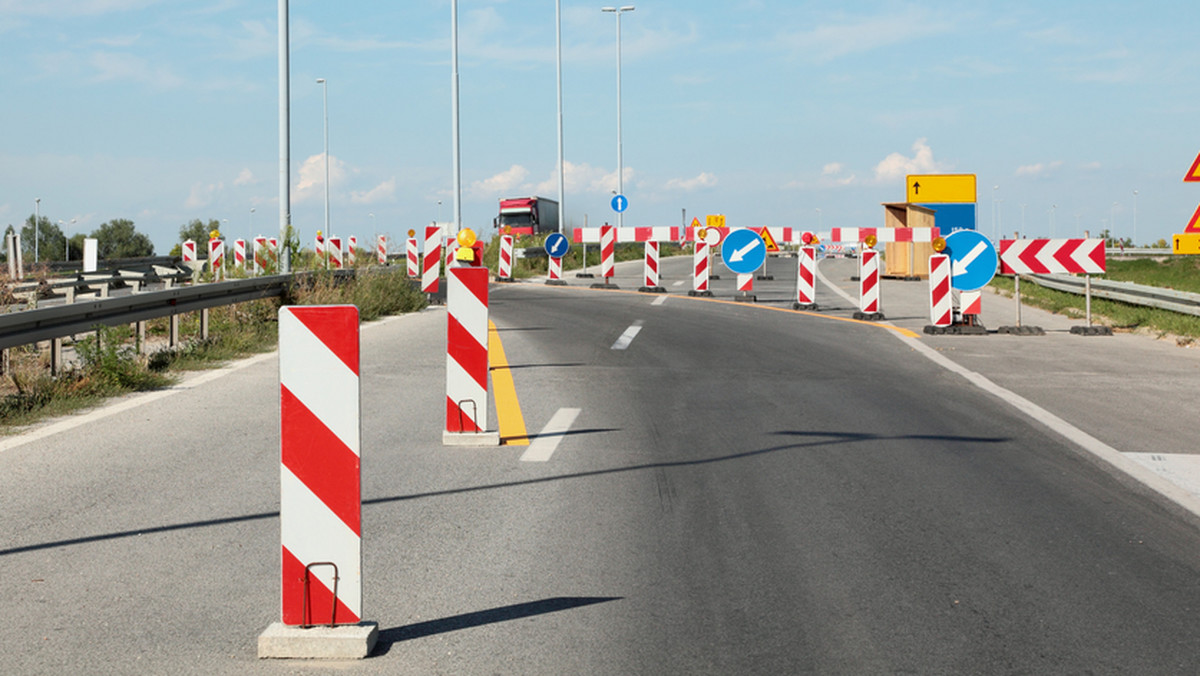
<point x="118" y="238"/>
<point x="198" y="230"/>
<point x="50" y="240"/>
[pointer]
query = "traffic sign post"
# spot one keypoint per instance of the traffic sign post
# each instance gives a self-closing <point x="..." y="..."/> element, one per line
<point x="1053" y="256"/>
<point x="744" y="252"/>
<point x="556" y="247"/>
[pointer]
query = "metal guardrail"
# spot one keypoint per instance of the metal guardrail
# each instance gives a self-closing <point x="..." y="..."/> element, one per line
<point x="30" y="326"/>
<point x="1125" y="292"/>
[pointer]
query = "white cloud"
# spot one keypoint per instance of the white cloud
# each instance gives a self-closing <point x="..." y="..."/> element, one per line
<point x="1037" y="169"/>
<point x="111" y="66"/>
<point x="384" y="192"/>
<point x="311" y="182"/>
<point x="896" y="166"/>
<point x="501" y="184"/>
<point x="704" y="180"/>
<point x="1090" y="166"/>
<point x="245" y="177"/>
<point x="202" y="194"/>
<point x="869" y="33"/>
<point x="832" y="168"/>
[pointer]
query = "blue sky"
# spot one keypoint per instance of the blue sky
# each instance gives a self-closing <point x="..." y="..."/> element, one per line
<point x="768" y="111"/>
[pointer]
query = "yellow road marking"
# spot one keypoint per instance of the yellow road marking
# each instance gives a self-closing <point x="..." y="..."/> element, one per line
<point x="508" y="408"/>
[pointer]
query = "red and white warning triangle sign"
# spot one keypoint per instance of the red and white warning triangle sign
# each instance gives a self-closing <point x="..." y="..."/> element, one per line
<point x="765" y="233"/>
<point x="1194" y="224"/>
<point x="1193" y="175"/>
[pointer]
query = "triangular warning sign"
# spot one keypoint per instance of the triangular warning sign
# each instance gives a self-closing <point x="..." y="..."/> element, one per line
<point x="696" y="223"/>
<point x="1194" y="224"/>
<point x="769" y="240"/>
<point x="1193" y="175"/>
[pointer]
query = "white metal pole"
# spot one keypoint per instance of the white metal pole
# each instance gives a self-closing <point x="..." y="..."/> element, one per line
<point x="558" y="61"/>
<point x="37" y="219"/>
<point x="285" y="196"/>
<point x="325" y="108"/>
<point x="454" y="115"/>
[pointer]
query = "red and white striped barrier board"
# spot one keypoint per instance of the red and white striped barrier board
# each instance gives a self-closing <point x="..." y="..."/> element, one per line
<point x="506" y="257"/>
<point x="189" y="251"/>
<point x="431" y="259"/>
<point x="608" y="250"/>
<point x="806" y="276"/>
<point x="319" y="247"/>
<point x="351" y="251"/>
<point x="941" y="307"/>
<point x="555" y="268"/>
<point x="883" y="234"/>
<point x="216" y="258"/>
<point x="411" y="256"/>
<point x="273" y="251"/>
<point x="333" y="247"/>
<point x="451" y="248"/>
<point x="261" y="252"/>
<point x="466" y="348"/>
<point x="637" y="234"/>
<point x="972" y="303"/>
<point x="868" y="282"/>
<point x="745" y="282"/>
<point x="651" y="265"/>
<point x="381" y="246"/>
<point x="320" y="503"/>
<point x="239" y="253"/>
<point x="1050" y="256"/>
<point x="700" y="267"/>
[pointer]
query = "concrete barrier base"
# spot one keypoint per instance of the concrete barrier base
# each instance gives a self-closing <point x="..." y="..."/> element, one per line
<point x="470" y="438"/>
<point x="343" y="642"/>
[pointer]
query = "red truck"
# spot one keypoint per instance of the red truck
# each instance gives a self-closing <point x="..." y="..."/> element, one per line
<point x="527" y="215"/>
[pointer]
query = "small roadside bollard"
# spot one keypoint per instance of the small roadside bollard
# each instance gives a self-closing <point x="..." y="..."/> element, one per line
<point x="320" y="503"/>
<point x="467" y="348"/>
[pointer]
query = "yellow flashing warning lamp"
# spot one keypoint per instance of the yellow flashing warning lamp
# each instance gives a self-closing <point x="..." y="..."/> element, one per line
<point x="939" y="244"/>
<point x="215" y="234"/>
<point x="508" y="229"/>
<point x="412" y="233"/>
<point x="701" y="234"/>
<point x="870" y="241"/>
<point x="466" y="237"/>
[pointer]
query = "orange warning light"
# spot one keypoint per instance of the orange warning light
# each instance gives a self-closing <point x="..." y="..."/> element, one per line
<point x="939" y="244"/>
<point x="411" y="232"/>
<point x="466" y="237"/>
<point x="870" y="241"/>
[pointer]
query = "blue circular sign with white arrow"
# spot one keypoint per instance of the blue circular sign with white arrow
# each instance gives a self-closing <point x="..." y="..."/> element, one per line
<point x="743" y="251"/>
<point x="973" y="259"/>
<point x="557" y="245"/>
<point x="620" y="203"/>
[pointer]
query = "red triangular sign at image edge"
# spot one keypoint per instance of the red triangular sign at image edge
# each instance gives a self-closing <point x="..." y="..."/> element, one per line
<point x="1194" y="224"/>
<point x="1193" y="175"/>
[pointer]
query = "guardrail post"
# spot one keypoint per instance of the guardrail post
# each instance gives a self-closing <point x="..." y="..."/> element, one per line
<point x="173" y="333"/>
<point x="204" y="324"/>
<point x="56" y="356"/>
<point x="139" y="336"/>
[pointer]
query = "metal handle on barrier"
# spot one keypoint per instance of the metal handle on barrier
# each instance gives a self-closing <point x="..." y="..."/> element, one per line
<point x="304" y="613"/>
<point x="474" y="414"/>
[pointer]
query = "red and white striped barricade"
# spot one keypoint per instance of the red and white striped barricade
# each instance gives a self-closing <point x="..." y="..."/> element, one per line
<point x="806" y="279"/>
<point x="261" y="255"/>
<point x="216" y="258"/>
<point x="320" y="497"/>
<point x="239" y="253"/>
<point x="319" y="248"/>
<point x="554" y="272"/>
<point x="351" y="251"/>
<point x="855" y="235"/>
<point x="941" y="306"/>
<point x="1049" y="256"/>
<point x="663" y="233"/>
<point x="651" y="269"/>
<point x="745" y="284"/>
<point x="700" y="270"/>
<point x="333" y="247"/>
<point x="467" y="358"/>
<point x="273" y="252"/>
<point x="608" y="252"/>
<point x="504" y="270"/>
<point x="431" y="259"/>
<point x="189" y="251"/>
<point x="868" y="286"/>
<point x="381" y="249"/>
<point x="972" y="303"/>
<point x="411" y="257"/>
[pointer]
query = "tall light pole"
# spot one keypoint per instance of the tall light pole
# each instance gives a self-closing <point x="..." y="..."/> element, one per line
<point x="620" y="158"/>
<point x="454" y="117"/>
<point x="1135" y="194"/>
<point x="67" y="246"/>
<point x="37" y="217"/>
<point x="251" y="240"/>
<point x="285" y="141"/>
<point x="994" y="227"/>
<point x="325" y="105"/>
<point x="1053" y="209"/>
<point x="558" y="66"/>
<point x="1112" y="221"/>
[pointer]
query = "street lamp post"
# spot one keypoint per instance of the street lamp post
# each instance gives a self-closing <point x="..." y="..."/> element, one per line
<point x="620" y="159"/>
<point x="325" y="106"/>
<point x="67" y="245"/>
<point x="37" y="217"/>
<point x="1135" y="194"/>
<point x="251" y="240"/>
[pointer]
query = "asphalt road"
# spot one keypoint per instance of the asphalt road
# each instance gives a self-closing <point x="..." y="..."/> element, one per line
<point x="741" y="491"/>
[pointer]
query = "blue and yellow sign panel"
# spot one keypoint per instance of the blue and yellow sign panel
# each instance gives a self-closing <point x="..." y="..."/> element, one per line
<point x="951" y="196"/>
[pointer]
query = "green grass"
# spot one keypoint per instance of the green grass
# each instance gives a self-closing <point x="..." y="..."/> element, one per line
<point x="1181" y="273"/>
